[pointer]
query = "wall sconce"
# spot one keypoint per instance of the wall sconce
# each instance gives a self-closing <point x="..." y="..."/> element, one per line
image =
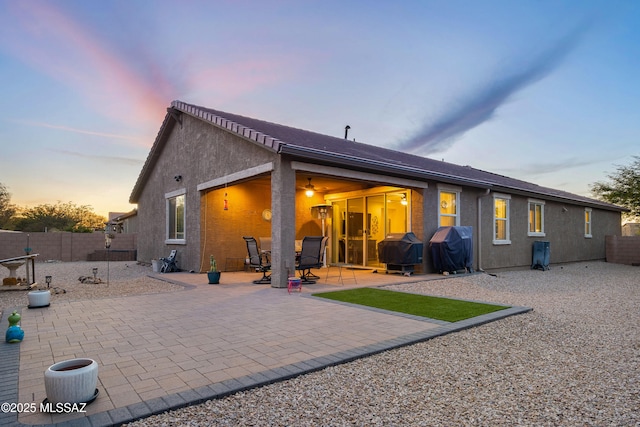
<point x="178" y="178"/>
<point x="225" y="206"/>
<point x="309" y="189"/>
<point x="403" y="200"/>
<point x="48" y="280"/>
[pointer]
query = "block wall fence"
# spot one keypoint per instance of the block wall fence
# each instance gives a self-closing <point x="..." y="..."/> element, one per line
<point x="63" y="246"/>
<point x="623" y="249"/>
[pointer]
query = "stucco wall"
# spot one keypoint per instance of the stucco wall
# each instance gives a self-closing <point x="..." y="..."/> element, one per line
<point x="564" y="226"/>
<point x="198" y="152"/>
<point x="564" y="229"/>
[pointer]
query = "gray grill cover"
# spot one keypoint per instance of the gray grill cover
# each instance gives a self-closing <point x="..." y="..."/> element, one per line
<point x="452" y="248"/>
<point x="400" y="249"/>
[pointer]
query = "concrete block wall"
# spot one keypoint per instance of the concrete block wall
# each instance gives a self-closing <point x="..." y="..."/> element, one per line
<point x="61" y="246"/>
<point x="623" y="249"/>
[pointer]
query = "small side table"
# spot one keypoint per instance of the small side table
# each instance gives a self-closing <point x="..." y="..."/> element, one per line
<point x="341" y="278"/>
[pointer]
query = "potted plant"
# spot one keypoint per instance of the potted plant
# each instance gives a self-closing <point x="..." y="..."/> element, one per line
<point x="39" y="298"/>
<point x="213" y="273"/>
<point x="72" y="381"/>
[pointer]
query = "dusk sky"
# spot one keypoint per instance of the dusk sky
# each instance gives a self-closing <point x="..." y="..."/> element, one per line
<point x="544" y="91"/>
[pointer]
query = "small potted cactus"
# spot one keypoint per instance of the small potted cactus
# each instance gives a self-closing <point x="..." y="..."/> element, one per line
<point x="213" y="273"/>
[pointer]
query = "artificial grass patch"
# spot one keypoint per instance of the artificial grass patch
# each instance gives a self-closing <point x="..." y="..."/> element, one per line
<point x="449" y="310"/>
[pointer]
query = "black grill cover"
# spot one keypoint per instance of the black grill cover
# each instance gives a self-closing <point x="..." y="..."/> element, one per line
<point x="452" y="249"/>
<point x="400" y="249"/>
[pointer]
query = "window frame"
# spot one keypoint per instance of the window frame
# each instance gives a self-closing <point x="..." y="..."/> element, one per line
<point x="507" y="219"/>
<point x="534" y="233"/>
<point x="588" y="223"/>
<point x="452" y="190"/>
<point x="174" y="195"/>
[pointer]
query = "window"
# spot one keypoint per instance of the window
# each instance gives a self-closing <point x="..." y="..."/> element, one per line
<point x="536" y="218"/>
<point x="176" y="217"/>
<point x="448" y="212"/>
<point x="587" y="222"/>
<point x="501" y="219"/>
<point x="448" y="205"/>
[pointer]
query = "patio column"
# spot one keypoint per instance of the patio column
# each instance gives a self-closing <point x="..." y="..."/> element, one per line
<point x="283" y="223"/>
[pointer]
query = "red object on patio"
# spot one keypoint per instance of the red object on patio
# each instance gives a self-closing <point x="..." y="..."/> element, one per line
<point x="294" y="283"/>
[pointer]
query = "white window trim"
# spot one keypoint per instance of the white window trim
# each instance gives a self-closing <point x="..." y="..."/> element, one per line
<point x="588" y="235"/>
<point x="506" y="241"/>
<point x="449" y="189"/>
<point x="535" y="233"/>
<point x="167" y="197"/>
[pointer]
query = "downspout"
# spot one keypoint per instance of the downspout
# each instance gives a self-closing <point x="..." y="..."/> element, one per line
<point x="479" y="199"/>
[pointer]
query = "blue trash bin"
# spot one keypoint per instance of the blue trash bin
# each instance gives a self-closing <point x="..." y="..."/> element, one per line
<point x="541" y="255"/>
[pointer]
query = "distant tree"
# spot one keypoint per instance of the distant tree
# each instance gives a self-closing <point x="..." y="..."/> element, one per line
<point x="7" y="210"/>
<point x="623" y="188"/>
<point x="59" y="217"/>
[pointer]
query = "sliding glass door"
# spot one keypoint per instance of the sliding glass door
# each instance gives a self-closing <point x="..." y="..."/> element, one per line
<point x="360" y="223"/>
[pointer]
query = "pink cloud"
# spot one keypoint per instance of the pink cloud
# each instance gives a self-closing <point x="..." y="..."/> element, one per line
<point x="44" y="35"/>
<point x="64" y="49"/>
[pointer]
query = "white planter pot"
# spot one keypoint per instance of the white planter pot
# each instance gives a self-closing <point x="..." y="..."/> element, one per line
<point x="39" y="298"/>
<point x="71" y="381"/>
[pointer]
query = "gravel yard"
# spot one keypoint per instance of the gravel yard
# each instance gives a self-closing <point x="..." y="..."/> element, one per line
<point x="125" y="278"/>
<point x="573" y="361"/>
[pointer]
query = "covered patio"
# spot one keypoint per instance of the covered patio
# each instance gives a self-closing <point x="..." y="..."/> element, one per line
<point x="359" y="210"/>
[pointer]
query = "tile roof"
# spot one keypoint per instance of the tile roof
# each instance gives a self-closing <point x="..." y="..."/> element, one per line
<point x="355" y="155"/>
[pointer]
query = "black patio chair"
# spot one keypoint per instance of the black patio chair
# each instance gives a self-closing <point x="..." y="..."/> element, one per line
<point x="169" y="263"/>
<point x="311" y="257"/>
<point x="258" y="260"/>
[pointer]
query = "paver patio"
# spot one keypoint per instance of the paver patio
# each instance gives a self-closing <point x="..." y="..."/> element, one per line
<point x="161" y="351"/>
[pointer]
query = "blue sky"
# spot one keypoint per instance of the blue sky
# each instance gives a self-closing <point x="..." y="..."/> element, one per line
<point x="544" y="91"/>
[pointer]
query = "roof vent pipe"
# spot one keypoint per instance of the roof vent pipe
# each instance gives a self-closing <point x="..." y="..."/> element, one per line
<point x="346" y="131"/>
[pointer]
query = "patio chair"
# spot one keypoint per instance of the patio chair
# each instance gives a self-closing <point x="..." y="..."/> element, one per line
<point x="311" y="257"/>
<point x="258" y="260"/>
<point x="169" y="263"/>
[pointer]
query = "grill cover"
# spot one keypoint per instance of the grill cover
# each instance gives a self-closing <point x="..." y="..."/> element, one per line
<point x="452" y="249"/>
<point x="400" y="249"/>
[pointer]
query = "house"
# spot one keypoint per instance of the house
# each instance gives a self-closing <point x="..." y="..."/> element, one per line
<point x="124" y="222"/>
<point x="212" y="177"/>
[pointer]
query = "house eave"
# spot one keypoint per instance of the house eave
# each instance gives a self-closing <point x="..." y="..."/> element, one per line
<point x="368" y="165"/>
<point x="585" y="202"/>
<point x="227" y="125"/>
<point x="165" y="129"/>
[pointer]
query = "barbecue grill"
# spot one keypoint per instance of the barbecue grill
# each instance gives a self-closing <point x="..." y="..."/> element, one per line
<point x="452" y="249"/>
<point x="400" y="252"/>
